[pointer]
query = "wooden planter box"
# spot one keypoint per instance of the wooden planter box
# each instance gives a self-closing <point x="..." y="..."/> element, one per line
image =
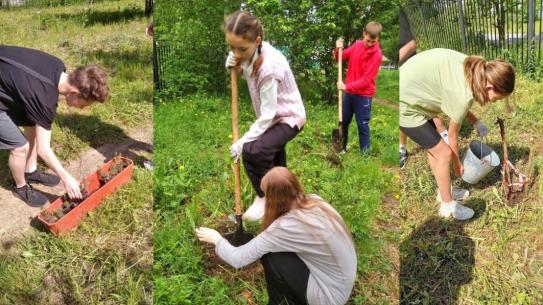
<point x="97" y="194"/>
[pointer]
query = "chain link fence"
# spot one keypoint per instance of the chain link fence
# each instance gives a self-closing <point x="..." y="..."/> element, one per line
<point x="161" y="51"/>
<point x="510" y="29"/>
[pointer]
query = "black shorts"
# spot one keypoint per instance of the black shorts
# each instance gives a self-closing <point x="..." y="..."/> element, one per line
<point x="10" y="135"/>
<point x="425" y="135"/>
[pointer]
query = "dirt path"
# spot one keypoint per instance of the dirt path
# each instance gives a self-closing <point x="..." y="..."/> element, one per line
<point x="16" y="216"/>
<point x="390" y="205"/>
<point x="386" y="103"/>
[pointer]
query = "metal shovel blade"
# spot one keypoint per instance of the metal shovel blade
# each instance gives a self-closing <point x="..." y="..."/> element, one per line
<point x="337" y="138"/>
<point x="239" y="237"/>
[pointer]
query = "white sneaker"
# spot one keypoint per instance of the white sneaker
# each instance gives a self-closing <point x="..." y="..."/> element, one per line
<point x="456" y="210"/>
<point x="458" y="194"/>
<point x="256" y="211"/>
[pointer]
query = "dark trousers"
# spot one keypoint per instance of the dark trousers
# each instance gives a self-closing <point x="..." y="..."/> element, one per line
<point x="360" y="107"/>
<point x="261" y="155"/>
<point x="286" y="278"/>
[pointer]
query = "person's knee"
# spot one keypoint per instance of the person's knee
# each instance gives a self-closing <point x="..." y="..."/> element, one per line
<point x="21" y="151"/>
<point x="444" y="153"/>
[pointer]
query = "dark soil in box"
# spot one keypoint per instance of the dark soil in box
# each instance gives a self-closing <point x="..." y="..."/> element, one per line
<point x="118" y="165"/>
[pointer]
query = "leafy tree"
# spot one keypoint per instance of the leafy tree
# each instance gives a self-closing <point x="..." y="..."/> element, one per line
<point x="305" y="30"/>
<point x="189" y="31"/>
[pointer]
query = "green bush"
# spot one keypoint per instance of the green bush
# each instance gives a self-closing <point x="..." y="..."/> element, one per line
<point x="304" y="30"/>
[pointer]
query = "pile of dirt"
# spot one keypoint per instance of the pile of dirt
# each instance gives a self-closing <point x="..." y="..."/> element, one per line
<point x="117" y="166"/>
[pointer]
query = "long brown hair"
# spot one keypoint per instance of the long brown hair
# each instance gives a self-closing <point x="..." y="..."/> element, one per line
<point x="498" y="73"/>
<point x="250" y="28"/>
<point x="284" y="193"/>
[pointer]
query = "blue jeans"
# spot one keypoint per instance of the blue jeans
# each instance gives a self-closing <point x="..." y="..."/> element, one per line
<point x="360" y="107"/>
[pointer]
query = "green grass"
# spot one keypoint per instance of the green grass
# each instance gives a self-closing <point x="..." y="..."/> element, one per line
<point x="107" y="260"/>
<point x="387" y="85"/>
<point x="496" y="258"/>
<point x="193" y="187"/>
<point x="109" y="34"/>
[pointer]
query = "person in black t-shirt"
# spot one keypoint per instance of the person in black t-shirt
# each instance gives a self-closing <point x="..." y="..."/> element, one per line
<point x="30" y="84"/>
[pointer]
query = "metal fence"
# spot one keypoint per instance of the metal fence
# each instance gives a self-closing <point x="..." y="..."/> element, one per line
<point x="510" y="29"/>
<point x="37" y="3"/>
<point x="161" y="51"/>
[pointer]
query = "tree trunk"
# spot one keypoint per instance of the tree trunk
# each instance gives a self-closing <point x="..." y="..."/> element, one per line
<point x="499" y="6"/>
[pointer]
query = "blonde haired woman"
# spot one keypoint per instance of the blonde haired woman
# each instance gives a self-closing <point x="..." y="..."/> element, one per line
<point x="445" y="82"/>
<point x="305" y="247"/>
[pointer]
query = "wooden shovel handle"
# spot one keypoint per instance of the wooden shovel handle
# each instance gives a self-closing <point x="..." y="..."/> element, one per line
<point x="235" y="137"/>
<point x="340" y="78"/>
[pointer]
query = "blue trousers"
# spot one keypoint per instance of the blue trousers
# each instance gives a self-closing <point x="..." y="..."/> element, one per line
<point x="360" y="107"/>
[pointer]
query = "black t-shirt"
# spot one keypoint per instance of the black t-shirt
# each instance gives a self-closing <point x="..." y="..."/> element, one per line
<point x="27" y="99"/>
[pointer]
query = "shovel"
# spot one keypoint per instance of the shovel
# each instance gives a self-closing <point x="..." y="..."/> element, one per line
<point x="510" y="186"/>
<point x="239" y="237"/>
<point x="337" y="134"/>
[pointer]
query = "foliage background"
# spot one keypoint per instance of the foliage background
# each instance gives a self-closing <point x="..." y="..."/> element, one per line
<point x="304" y="30"/>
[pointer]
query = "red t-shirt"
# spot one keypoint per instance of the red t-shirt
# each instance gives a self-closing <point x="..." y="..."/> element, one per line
<point x="363" y="67"/>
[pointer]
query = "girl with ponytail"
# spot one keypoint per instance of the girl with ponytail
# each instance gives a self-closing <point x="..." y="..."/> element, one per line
<point x="280" y="113"/>
<point x="445" y="82"/>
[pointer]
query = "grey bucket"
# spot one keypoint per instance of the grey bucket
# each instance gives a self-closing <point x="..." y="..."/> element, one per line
<point x="478" y="161"/>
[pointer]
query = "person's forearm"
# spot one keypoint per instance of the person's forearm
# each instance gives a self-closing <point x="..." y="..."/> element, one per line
<point x="453" y="144"/>
<point x="454" y="132"/>
<point x="51" y="160"/>
<point x="408" y="49"/>
<point x="268" y="110"/>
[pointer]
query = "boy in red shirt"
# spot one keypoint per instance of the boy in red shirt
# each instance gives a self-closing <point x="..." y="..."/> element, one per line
<point x="365" y="57"/>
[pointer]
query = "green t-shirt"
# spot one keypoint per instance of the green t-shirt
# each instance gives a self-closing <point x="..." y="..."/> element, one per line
<point x="433" y="83"/>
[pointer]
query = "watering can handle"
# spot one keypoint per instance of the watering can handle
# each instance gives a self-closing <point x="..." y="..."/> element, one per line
<point x="481" y="141"/>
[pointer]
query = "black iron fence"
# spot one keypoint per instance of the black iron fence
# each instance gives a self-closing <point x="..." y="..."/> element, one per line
<point x="37" y="3"/>
<point x="161" y="51"/>
<point x="510" y="29"/>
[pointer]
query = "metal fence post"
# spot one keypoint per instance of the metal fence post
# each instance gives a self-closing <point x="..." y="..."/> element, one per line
<point x="462" y="26"/>
<point x="531" y="19"/>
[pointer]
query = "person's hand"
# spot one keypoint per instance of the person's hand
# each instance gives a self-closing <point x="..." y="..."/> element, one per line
<point x="231" y="60"/>
<point x="149" y="30"/>
<point x="458" y="168"/>
<point x="72" y="187"/>
<point x="236" y="150"/>
<point x="482" y="130"/>
<point x="341" y="85"/>
<point x="339" y="43"/>
<point x="208" y="235"/>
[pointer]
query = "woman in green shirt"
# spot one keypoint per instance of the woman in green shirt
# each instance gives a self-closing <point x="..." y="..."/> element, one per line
<point x="445" y="82"/>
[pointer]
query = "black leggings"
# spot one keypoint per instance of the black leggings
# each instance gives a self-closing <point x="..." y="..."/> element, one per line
<point x="286" y="278"/>
<point x="263" y="154"/>
<point x="425" y="135"/>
